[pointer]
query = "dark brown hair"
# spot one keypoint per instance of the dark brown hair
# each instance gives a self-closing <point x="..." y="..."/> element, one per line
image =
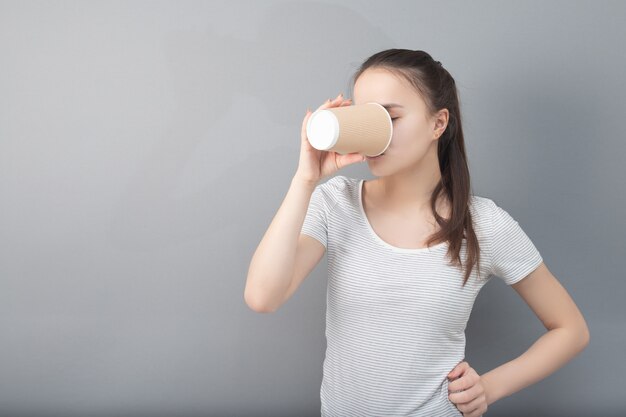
<point x="438" y="89"/>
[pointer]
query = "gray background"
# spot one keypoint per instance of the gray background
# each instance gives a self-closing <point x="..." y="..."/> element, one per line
<point x="146" y="146"/>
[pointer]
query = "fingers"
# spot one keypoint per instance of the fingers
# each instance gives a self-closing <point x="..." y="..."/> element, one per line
<point x="462" y="383"/>
<point x="351" y="158"/>
<point x="337" y="101"/>
<point x="304" y="122"/>
<point x="458" y="370"/>
<point x="334" y="101"/>
<point x="466" y="396"/>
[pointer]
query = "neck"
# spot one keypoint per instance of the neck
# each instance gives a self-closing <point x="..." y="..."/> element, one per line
<point x="411" y="189"/>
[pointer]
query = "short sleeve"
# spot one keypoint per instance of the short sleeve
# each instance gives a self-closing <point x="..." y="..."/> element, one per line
<point x="513" y="254"/>
<point x="315" y="221"/>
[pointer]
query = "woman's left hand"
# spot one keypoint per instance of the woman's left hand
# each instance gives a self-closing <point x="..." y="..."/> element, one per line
<point x="472" y="398"/>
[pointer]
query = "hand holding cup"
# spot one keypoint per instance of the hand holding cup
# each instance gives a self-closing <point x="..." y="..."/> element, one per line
<point x="315" y="165"/>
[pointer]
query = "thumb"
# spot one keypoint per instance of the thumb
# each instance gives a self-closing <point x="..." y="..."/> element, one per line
<point x="352" y="158"/>
<point x="358" y="157"/>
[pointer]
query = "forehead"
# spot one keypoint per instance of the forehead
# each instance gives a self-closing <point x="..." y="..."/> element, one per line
<point x="382" y="86"/>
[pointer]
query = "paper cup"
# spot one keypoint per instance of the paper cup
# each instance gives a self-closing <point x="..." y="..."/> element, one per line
<point x="364" y="128"/>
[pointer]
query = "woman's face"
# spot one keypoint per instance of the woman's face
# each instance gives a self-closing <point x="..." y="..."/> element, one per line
<point x="414" y="132"/>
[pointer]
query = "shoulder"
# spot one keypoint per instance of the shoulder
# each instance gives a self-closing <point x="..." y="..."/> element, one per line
<point x="481" y="207"/>
<point x="491" y="216"/>
<point x="482" y="211"/>
<point x="335" y="189"/>
<point x="484" y="206"/>
<point x="336" y="186"/>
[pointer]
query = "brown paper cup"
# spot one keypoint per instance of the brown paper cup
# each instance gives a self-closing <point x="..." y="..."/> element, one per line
<point x="363" y="128"/>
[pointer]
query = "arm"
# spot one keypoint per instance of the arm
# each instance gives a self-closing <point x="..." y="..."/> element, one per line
<point x="272" y="265"/>
<point x="566" y="337"/>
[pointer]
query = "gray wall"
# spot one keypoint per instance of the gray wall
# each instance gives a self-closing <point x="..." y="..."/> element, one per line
<point x="146" y="146"/>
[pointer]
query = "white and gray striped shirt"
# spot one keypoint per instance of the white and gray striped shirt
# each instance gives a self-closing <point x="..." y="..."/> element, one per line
<point x="396" y="317"/>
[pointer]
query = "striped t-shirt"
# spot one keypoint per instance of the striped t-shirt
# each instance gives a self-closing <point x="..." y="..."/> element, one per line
<point x="396" y="317"/>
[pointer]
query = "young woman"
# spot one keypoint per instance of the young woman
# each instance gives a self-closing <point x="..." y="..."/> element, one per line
<point x="408" y="253"/>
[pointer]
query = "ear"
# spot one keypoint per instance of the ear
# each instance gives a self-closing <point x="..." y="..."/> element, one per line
<point x="441" y="122"/>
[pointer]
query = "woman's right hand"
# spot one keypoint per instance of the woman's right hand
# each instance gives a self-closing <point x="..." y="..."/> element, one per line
<point x="314" y="164"/>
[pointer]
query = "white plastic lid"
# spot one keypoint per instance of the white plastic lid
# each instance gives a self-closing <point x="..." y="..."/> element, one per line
<point x="322" y="129"/>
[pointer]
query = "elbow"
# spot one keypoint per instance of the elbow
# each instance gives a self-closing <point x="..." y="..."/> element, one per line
<point x="586" y="336"/>
<point x="260" y="308"/>
<point x="580" y="336"/>
<point x="583" y="331"/>
<point x="256" y="305"/>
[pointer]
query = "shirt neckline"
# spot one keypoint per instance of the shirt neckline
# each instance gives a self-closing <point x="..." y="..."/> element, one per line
<point x="379" y="239"/>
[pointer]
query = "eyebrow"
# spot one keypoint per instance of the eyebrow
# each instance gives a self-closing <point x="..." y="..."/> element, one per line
<point x="389" y="105"/>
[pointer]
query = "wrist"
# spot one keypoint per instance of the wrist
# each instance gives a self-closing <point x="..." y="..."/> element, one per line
<point x="303" y="181"/>
<point x="490" y="395"/>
